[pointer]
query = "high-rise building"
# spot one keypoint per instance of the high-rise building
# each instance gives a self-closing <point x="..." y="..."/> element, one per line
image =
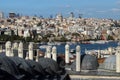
<point x="12" y="15"/>
<point x="71" y="15"/>
<point x="59" y="17"/>
<point x="1" y="15"/>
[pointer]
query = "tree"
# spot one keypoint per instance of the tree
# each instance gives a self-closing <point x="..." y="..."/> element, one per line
<point x="110" y="37"/>
<point x="75" y="34"/>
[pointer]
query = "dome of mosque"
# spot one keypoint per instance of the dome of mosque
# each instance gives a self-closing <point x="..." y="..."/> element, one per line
<point x="88" y="62"/>
<point x="31" y="69"/>
<point x="22" y="66"/>
<point x="8" y="67"/>
<point x="49" y="65"/>
<point x="110" y="63"/>
<point x="35" y="66"/>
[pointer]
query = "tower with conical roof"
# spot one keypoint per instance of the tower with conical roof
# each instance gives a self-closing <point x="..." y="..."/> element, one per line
<point x="20" y="50"/>
<point x="8" y="48"/>
<point x="118" y="60"/>
<point x="30" y="50"/>
<point x="67" y="53"/>
<point x="78" y="59"/>
<point x="54" y="53"/>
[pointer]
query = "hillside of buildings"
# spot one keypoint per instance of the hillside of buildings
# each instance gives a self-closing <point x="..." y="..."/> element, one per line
<point x="59" y="28"/>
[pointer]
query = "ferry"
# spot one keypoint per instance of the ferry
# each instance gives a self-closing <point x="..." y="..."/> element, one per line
<point x="72" y="51"/>
<point x="98" y="42"/>
<point x="51" y="43"/>
<point x="43" y="46"/>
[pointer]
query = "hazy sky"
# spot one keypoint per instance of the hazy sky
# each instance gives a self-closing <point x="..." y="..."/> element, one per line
<point x="89" y="8"/>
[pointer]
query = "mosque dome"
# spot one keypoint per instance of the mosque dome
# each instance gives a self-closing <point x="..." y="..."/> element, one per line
<point x="88" y="62"/>
<point x="36" y="67"/>
<point x="8" y="68"/>
<point x="49" y="65"/>
<point x="110" y="63"/>
<point x="8" y="65"/>
<point x="22" y="66"/>
<point x="29" y="68"/>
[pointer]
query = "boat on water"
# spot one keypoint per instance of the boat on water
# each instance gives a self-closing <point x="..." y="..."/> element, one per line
<point x="58" y="43"/>
<point x="72" y="51"/>
<point x="98" y="42"/>
<point x="85" y="42"/>
<point x="44" y="46"/>
<point x="51" y="43"/>
<point x="71" y="43"/>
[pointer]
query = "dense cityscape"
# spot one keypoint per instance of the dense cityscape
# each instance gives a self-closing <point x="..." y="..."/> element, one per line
<point x="58" y="29"/>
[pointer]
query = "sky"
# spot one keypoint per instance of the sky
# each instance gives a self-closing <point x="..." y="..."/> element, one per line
<point x="88" y="8"/>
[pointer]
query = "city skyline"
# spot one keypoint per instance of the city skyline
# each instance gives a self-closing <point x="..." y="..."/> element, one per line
<point x="89" y="9"/>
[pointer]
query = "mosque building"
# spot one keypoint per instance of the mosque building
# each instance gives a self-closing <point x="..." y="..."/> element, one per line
<point x="17" y="64"/>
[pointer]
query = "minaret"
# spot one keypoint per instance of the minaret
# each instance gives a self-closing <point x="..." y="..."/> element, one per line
<point x="48" y="50"/>
<point x="37" y="56"/>
<point x="118" y="60"/>
<point x="78" y="59"/>
<point x="8" y="48"/>
<point x="67" y="53"/>
<point x="30" y="51"/>
<point x="54" y="53"/>
<point x="20" y="50"/>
